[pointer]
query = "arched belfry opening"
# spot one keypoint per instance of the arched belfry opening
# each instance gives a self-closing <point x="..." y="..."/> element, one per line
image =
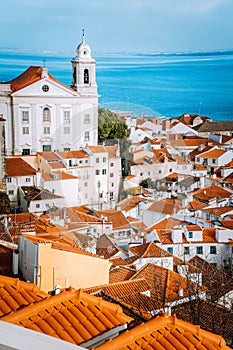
<point x="86" y="76"/>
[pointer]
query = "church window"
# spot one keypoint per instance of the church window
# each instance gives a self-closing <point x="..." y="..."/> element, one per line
<point x="66" y="130"/>
<point x="25" y="116"/>
<point x="87" y="119"/>
<point x="87" y="136"/>
<point x="45" y="88"/>
<point x="46" y="130"/>
<point x="86" y="76"/>
<point x="74" y="75"/>
<point x="46" y="115"/>
<point x="67" y="117"/>
<point x="25" y="130"/>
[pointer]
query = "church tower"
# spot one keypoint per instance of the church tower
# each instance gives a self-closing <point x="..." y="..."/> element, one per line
<point x="84" y="70"/>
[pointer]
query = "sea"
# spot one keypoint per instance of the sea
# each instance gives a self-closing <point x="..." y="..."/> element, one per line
<point x="145" y="84"/>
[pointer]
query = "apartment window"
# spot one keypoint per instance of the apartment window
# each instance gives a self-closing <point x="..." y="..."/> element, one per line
<point x="112" y="184"/>
<point x="111" y="195"/>
<point x="111" y="164"/>
<point x="11" y="193"/>
<point x="141" y="174"/>
<point x="25" y="151"/>
<point x="80" y="162"/>
<point x="85" y="184"/>
<point x="85" y="195"/>
<point x="28" y="179"/>
<point x="46" y="130"/>
<point x="213" y="250"/>
<point x="65" y="149"/>
<point x="104" y="159"/>
<point x="97" y="172"/>
<point x="104" y="171"/>
<point x="86" y="161"/>
<point x="111" y="174"/>
<point x="97" y="160"/>
<point x="87" y="119"/>
<point x="66" y="117"/>
<point x="186" y="250"/>
<point x="8" y="179"/>
<point x="25" y="130"/>
<point x="199" y="250"/>
<point x="25" y="116"/>
<point x="198" y="160"/>
<point x="46" y="115"/>
<point x="170" y="170"/>
<point x="66" y="130"/>
<point x="213" y="161"/>
<point x="87" y="136"/>
<point x="47" y="148"/>
<point x="37" y="205"/>
<point x="170" y="250"/>
<point x="160" y="171"/>
<point x="190" y="234"/>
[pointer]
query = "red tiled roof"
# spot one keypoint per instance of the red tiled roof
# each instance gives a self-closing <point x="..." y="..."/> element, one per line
<point x="120" y="274"/>
<point x="16" y="166"/>
<point x="74" y="154"/>
<point x="165" y="333"/>
<point x="31" y="76"/>
<point x="116" y="217"/>
<point x="61" y="175"/>
<point x="213" y="154"/>
<point x="148" y="250"/>
<point x="72" y="316"/>
<point x="166" y="206"/>
<point x="16" y="294"/>
<point x="210" y="192"/>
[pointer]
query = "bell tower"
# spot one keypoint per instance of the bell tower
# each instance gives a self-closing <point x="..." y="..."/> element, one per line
<point x="84" y="70"/>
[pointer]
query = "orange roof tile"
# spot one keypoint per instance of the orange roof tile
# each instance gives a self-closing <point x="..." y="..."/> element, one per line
<point x="16" y="166"/>
<point x="148" y="250"/>
<point x="213" y="191"/>
<point x="166" y="333"/>
<point x="31" y="76"/>
<point x="16" y="294"/>
<point x="120" y="274"/>
<point x="166" y="284"/>
<point x="116" y="217"/>
<point x="61" y="175"/>
<point x="165" y="224"/>
<point x="218" y="210"/>
<point x="74" y="154"/>
<point x="72" y="316"/>
<point x="97" y="149"/>
<point x="213" y="154"/>
<point x="166" y="206"/>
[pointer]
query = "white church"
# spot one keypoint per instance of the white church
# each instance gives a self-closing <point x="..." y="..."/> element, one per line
<point x="43" y="114"/>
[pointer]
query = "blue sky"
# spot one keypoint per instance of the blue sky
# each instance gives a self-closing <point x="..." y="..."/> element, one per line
<point x="117" y="25"/>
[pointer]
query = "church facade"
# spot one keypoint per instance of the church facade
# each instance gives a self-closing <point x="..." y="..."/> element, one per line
<point x="42" y="114"/>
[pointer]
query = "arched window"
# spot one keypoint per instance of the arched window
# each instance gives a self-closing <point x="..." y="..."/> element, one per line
<point x="46" y="115"/>
<point x="86" y="76"/>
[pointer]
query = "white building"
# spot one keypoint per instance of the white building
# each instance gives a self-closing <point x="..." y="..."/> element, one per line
<point x="42" y="114"/>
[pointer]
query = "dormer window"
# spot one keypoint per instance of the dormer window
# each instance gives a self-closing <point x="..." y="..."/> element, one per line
<point x="86" y="76"/>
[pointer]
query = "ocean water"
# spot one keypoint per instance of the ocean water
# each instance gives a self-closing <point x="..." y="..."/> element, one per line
<point x="145" y="84"/>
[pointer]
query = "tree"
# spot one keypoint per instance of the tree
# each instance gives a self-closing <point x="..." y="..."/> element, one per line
<point x="4" y="203"/>
<point x="110" y="127"/>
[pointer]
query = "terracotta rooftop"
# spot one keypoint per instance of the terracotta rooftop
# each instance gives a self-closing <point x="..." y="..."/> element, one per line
<point x="208" y="126"/>
<point x="208" y="315"/>
<point x="166" y="333"/>
<point x="166" y="206"/>
<point x="72" y="316"/>
<point x="31" y="76"/>
<point x="214" y="191"/>
<point x="116" y="217"/>
<point x="97" y="149"/>
<point x="165" y="284"/>
<point x="130" y="202"/>
<point x="218" y="210"/>
<point x="16" y="166"/>
<point x="16" y="295"/>
<point x="165" y="224"/>
<point x="32" y="193"/>
<point x="59" y="175"/>
<point x="112" y="151"/>
<point x="149" y="250"/>
<point x="213" y="154"/>
<point x="120" y="274"/>
<point x="49" y="156"/>
<point x="79" y="154"/>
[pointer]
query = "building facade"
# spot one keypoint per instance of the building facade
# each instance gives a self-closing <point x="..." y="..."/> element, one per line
<point x="43" y="114"/>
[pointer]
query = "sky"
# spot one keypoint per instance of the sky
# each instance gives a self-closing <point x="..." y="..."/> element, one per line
<point x="117" y="25"/>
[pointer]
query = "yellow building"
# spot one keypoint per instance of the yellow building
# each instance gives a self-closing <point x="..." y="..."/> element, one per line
<point x="53" y="263"/>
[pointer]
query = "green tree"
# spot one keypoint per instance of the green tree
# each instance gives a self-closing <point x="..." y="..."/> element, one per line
<point x="110" y="127"/>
